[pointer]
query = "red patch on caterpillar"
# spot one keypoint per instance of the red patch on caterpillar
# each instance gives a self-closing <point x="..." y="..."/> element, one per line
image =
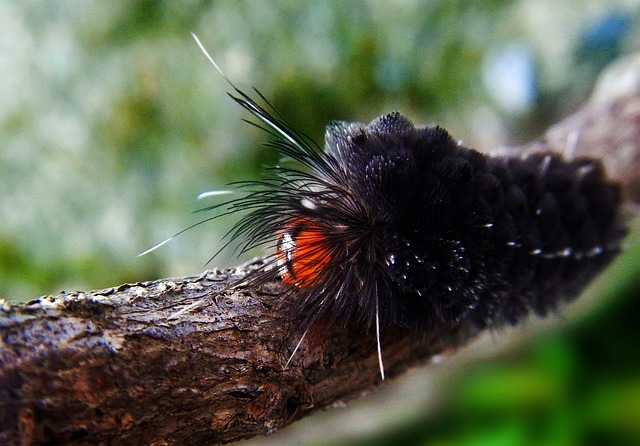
<point x="303" y="252"/>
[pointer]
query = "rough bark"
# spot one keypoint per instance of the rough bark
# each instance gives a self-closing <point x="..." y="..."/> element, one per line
<point x="126" y="366"/>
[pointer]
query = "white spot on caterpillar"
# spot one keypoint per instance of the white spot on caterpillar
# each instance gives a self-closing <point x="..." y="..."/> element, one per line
<point x="308" y="204"/>
<point x="572" y="143"/>
<point x="597" y="250"/>
<point x="546" y="162"/>
<point x="288" y="245"/>
<point x="584" y="170"/>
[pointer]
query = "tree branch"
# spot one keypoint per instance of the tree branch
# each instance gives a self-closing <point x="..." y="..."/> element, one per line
<point x="125" y="363"/>
<point x="184" y="361"/>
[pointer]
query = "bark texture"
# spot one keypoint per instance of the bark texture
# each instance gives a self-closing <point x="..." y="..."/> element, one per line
<point x="188" y="361"/>
<point x="126" y="366"/>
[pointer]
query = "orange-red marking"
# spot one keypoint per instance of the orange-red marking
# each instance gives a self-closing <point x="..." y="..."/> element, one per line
<point x="303" y="252"/>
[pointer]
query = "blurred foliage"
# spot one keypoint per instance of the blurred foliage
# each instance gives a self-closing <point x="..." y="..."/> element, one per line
<point x="112" y="122"/>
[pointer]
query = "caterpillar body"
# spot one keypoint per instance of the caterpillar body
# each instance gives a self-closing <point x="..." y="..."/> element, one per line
<point x="390" y="224"/>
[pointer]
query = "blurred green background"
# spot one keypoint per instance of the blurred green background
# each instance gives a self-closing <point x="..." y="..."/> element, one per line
<point x="112" y="122"/>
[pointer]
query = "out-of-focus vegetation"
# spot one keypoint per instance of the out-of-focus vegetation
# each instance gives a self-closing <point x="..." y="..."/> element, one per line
<point x="112" y="121"/>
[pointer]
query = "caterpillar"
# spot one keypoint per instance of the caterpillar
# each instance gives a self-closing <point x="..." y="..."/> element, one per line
<point x="404" y="224"/>
<point x="390" y="224"/>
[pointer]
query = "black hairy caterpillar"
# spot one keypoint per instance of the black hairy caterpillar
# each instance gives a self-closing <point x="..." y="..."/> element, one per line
<point x="390" y="224"/>
<point x="403" y="224"/>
